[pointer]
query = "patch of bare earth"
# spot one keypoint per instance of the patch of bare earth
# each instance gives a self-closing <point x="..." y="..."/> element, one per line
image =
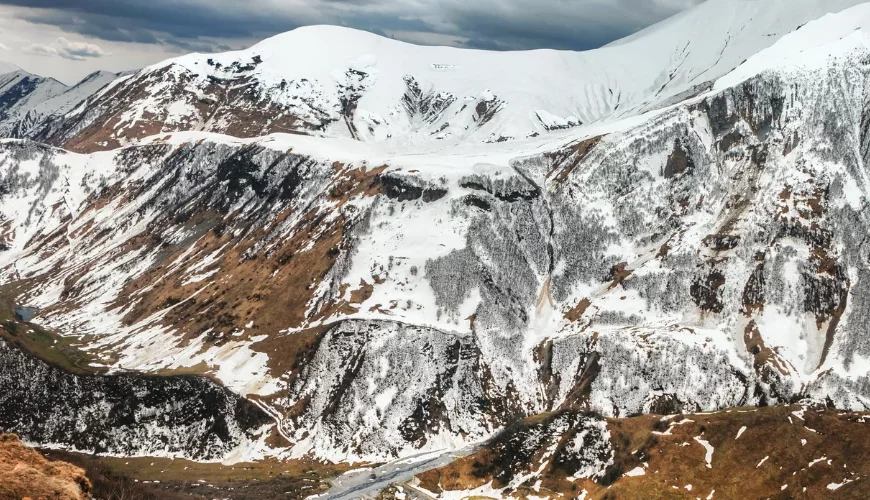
<point x="232" y="107"/>
<point x="270" y="289"/>
<point x="565" y="161"/>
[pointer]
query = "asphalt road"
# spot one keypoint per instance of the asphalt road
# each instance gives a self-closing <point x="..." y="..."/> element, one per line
<point x="367" y="483"/>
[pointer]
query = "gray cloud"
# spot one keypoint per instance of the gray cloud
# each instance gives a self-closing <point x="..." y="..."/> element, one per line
<point x="76" y="51"/>
<point x="559" y="24"/>
<point x="490" y="24"/>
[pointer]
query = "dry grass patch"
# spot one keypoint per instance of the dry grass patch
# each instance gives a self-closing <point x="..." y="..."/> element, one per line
<point x="24" y="473"/>
<point x="151" y="478"/>
<point x="46" y="345"/>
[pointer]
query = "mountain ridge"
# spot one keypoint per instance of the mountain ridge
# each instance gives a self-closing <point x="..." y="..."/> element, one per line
<point x="360" y="85"/>
<point x="383" y="298"/>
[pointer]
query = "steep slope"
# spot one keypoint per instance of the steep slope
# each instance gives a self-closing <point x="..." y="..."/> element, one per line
<point x="20" y="93"/>
<point x="29" y="103"/>
<point x="74" y="96"/>
<point x="381" y="298"/>
<point x="48" y="400"/>
<point x="338" y="82"/>
<point x="817" y="453"/>
<point x="124" y="415"/>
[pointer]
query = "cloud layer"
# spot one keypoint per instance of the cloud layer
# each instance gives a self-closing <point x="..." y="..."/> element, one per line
<point x="492" y="24"/>
<point x="75" y="51"/>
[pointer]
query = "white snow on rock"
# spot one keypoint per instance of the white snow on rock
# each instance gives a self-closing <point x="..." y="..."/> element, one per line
<point x="30" y="101"/>
<point x="637" y="471"/>
<point x="836" y="486"/>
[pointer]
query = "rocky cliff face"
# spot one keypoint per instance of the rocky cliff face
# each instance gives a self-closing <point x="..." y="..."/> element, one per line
<point x="380" y="300"/>
<point x="125" y="415"/>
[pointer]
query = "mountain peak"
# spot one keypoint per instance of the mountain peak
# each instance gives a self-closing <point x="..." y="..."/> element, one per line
<point x="323" y="32"/>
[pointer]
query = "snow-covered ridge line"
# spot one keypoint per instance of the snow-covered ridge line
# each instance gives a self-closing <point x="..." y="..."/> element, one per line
<point x="809" y="48"/>
<point x="30" y="103"/>
<point x="358" y="85"/>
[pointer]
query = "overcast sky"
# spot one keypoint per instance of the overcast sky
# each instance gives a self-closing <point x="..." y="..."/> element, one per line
<point x="67" y="39"/>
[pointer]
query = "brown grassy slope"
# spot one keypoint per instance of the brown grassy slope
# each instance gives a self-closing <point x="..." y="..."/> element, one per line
<point x="153" y="478"/>
<point x="836" y="443"/>
<point x="24" y="473"/>
<point x="45" y="344"/>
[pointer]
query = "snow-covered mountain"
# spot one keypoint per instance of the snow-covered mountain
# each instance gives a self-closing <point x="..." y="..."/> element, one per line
<point x="29" y="103"/>
<point x="391" y="248"/>
<point x="337" y="82"/>
<point x="20" y="94"/>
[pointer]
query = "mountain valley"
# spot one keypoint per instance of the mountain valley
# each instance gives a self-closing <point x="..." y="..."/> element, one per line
<point x="573" y="278"/>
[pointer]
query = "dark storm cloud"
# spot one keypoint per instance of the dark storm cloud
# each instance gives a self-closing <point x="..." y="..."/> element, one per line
<point x="559" y="24"/>
<point x="129" y="20"/>
<point x="490" y="24"/>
